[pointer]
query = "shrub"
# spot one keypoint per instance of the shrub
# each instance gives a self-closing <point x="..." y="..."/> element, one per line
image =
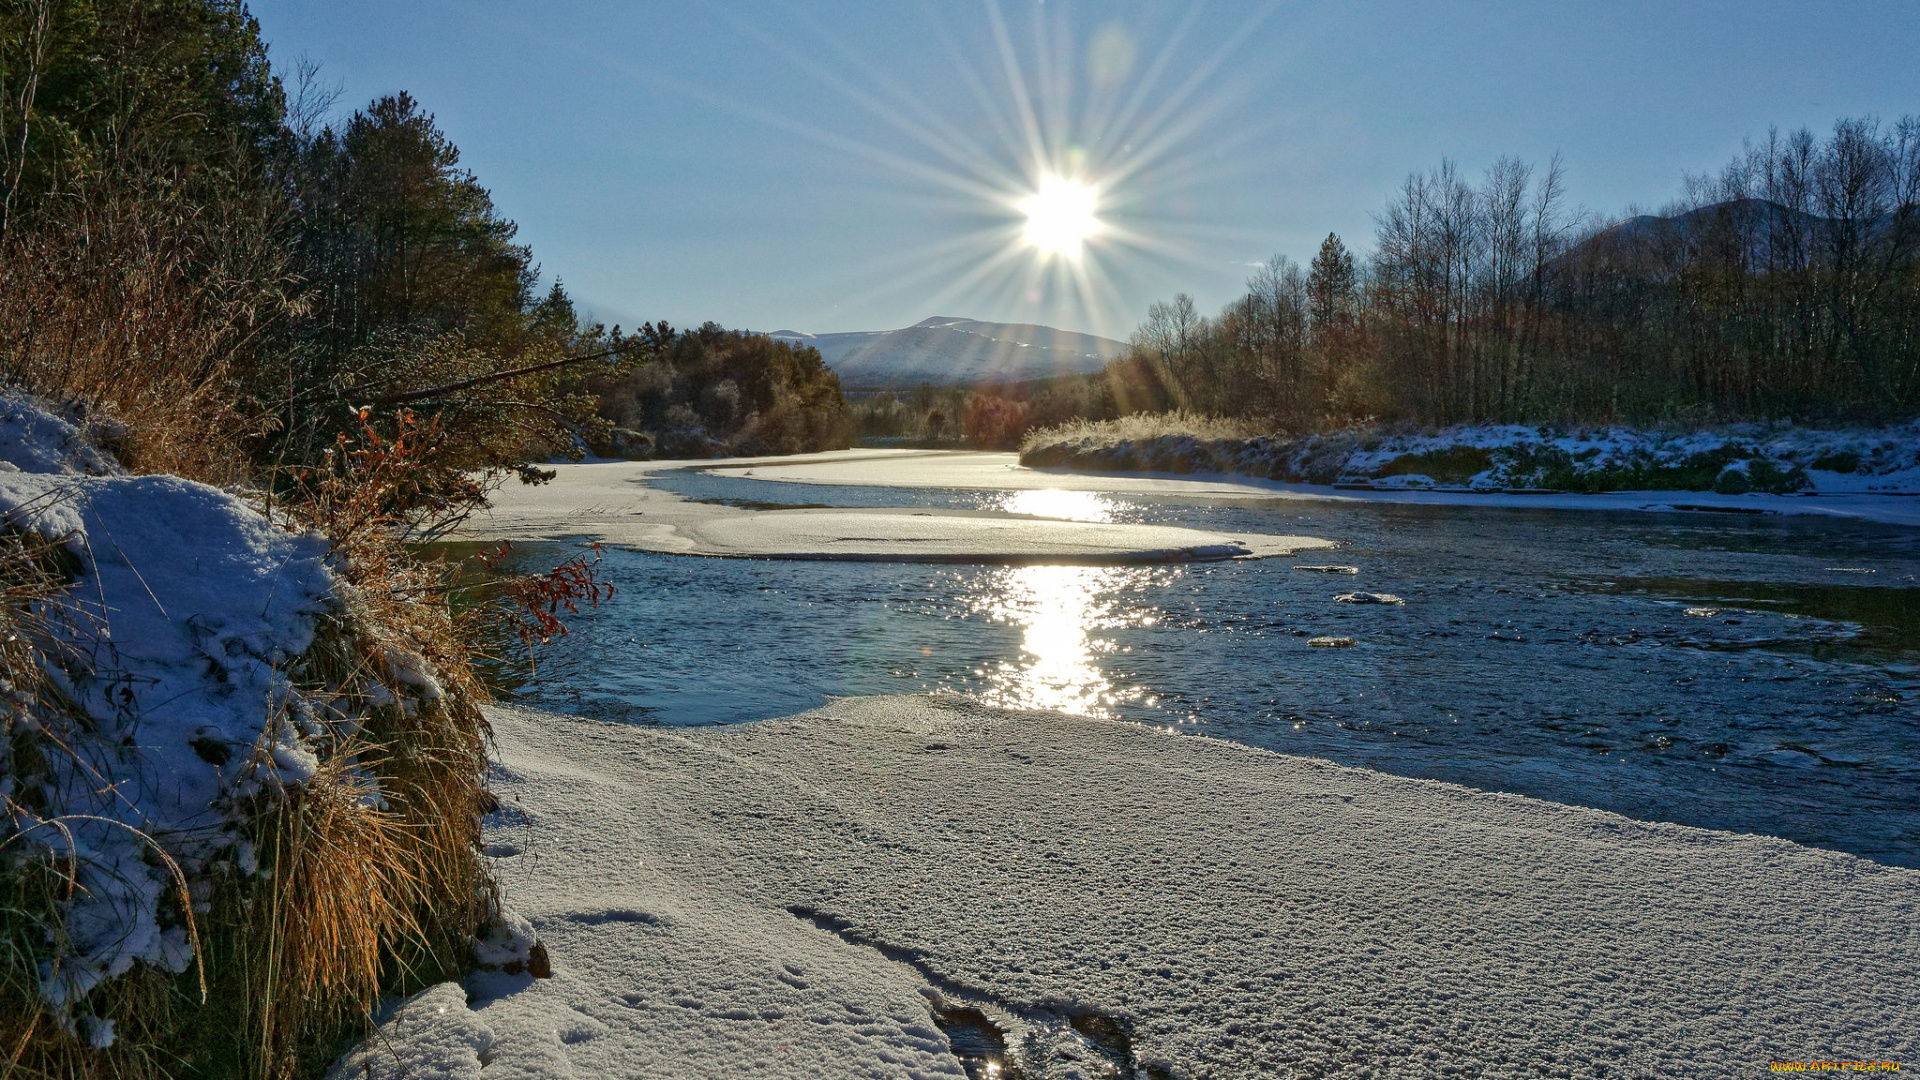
<point x="1454" y="465"/>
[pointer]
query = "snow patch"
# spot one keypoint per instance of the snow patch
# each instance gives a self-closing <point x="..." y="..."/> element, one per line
<point x="173" y="641"/>
<point x="35" y="440"/>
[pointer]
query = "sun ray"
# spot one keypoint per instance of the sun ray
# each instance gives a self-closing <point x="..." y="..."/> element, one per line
<point x="1058" y="179"/>
<point x="1037" y="150"/>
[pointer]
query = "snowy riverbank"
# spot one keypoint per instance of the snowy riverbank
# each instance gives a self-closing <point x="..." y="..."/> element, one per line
<point x="863" y="889"/>
<point x="1866" y="467"/>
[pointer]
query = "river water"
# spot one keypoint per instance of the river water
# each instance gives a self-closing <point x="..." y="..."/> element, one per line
<point x="1753" y="673"/>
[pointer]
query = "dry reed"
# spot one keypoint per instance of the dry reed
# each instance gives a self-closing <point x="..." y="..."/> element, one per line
<point x="1138" y="427"/>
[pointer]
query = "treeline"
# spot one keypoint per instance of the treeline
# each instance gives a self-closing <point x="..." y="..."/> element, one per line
<point x="1786" y="286"/>
<point x="713" y="391"/>
<point x="197" y="247"/>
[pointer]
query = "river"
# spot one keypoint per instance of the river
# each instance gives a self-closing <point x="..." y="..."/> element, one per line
<point x="1756" y="673"/>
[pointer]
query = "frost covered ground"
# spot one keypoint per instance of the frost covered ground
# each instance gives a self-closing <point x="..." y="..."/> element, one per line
<point x="184" y="609"/>
<point x="858" y="891"/>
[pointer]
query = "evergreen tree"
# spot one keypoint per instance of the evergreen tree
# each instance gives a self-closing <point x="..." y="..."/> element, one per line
<point x="1331" y="286"/>
<point x="115" y="92"/>
<point x="395" y="237"/>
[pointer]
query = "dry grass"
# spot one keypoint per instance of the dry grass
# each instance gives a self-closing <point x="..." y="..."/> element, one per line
<point x="366" y="900"/>
<point x="1138" y="427"/>
<point x="148" y="311"/>
<point x="143" y="307"/>
<point x="376" y="882"/>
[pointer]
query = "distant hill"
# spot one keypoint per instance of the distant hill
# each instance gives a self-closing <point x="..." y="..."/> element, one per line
<point x="1767" y="229"/>
<point x="944" y="351"/>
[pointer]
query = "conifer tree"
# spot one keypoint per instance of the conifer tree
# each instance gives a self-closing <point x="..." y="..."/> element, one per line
<point x="1331" y="286"/>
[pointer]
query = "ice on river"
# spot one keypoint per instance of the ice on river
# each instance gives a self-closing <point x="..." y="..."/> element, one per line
<point x="613" y="501"/>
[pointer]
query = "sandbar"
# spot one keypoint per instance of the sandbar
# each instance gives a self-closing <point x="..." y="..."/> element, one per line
<point x="613" y="502"/>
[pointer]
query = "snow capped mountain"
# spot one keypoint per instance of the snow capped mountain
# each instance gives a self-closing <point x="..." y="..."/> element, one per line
<point x="947" y="351"/>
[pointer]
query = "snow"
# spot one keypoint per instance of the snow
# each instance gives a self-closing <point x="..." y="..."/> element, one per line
<point x="1856" y="498"/>
<point x="954" y="536"/>
<point x="34" y="440"/>
<point x="173" y="641"/>
<point x="792" y="898"/>
<point x="613" y="502"/>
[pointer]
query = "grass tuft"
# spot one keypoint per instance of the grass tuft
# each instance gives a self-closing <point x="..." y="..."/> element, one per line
<point x="368" y="878"/>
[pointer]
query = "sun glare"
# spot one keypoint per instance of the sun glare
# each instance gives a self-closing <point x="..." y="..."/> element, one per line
<point x="1061" y="216"/>
<point x="1071" y="164"/>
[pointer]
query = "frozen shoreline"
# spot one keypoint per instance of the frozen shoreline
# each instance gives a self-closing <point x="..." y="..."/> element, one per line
<point x="613" y="501"/>
<point x="795" y="897"/>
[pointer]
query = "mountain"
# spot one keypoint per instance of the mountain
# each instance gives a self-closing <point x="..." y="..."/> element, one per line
<point x="944" y="351"/>
<point x="1766" y="231"/>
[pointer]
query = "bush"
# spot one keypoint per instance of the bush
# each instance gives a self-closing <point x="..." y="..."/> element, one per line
<point x="993" y="423"/>
<point x="1454" y="465"/>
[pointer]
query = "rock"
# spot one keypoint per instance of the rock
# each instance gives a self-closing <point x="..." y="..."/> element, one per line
<point x="1367" y="598"/>
<point x="688" y="443"/>
<point x="1330" y="569"/>
<point x="628" y="443"/>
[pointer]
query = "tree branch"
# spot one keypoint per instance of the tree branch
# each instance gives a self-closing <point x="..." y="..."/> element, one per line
<point x="410" y="396"/>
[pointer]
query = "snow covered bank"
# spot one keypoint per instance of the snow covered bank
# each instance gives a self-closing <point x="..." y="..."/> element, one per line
<point x="612" y="501"/>
<point x="172" y="640"/>
<point x="1512" y="459"/>
<point x="217" y="762"/>
<point x="853" y="891"/>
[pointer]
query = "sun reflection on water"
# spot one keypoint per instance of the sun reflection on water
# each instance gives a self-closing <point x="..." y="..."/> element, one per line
<point x="1061" y="608"/>
<point x="1057" y="504"/>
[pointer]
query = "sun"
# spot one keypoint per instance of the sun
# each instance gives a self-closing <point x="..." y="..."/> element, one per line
<point x="1061" y="216"/>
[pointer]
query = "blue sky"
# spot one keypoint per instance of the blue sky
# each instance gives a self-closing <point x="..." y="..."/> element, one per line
<point x="852" y="165"/>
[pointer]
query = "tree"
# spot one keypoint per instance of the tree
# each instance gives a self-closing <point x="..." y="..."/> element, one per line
<point x="1174" y="335"/>
<point x="142" y="260"/>
<point x="1270" y="368"/>
<point x="109" y="92"/>
<point x="395" y="236"/>
<point x="1332" y="287"/>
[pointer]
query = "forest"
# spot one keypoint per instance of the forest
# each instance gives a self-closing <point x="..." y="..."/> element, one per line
<point x="203" y="248"/>
<point x="711" y="391"/>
